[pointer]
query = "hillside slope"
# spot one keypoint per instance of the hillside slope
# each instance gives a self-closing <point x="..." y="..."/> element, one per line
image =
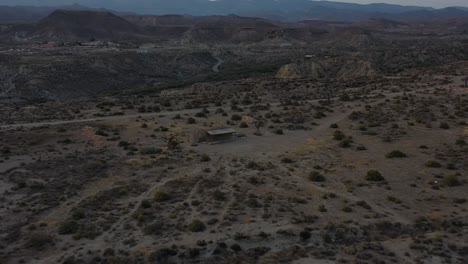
<point x="67" y="24"/>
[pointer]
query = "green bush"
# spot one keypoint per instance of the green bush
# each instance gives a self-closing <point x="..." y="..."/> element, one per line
<point x="338" y="135"/>
<point x="395" y="154"/>
<point x="345" y="143"/>
<point x="243" y="125"/>
<point x="444" y="125"/>
<point x="347" y="209"/>
<point x="460" y="142"/>
<point x="68" y="227"/>
<point x="316" y="176"/>
<point x="279" y="132"/>
<point x="160" y="196"/>
<point x="433" y="164"/>
<point x="205" y="158"/>
<point x="451" y="181"/>
<point x="253" y="203"/>
<point x="191" y="120"/>
<point x="39" y="241"/>
<point x="364" y="205"/>
<point x="78" y="214"/>
<point x="150" y="151"/>
<point x="322" y="208"/>
<point x="196" y="226"/>
<point x="394" y="199"/>
<point x="236" y="117"/>
<point x="374" y="176"/>
<point x="101" y="133"/>
<point x="219" y="195"/>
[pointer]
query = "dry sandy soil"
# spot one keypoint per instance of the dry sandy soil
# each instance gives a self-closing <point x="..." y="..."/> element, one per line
<point x="376" y="175"/>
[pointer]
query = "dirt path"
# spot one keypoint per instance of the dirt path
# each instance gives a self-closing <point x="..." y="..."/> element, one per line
<point x="95" y="119"/>
<point x="120" y="117"/>
<point x="218" y="64"/>
<point x="107" y="118"/>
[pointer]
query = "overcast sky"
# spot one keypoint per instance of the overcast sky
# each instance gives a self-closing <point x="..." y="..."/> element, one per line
<point x="433" y="3"/>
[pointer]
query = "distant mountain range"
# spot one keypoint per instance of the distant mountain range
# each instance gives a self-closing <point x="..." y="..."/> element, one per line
<point x="286" y="10"/>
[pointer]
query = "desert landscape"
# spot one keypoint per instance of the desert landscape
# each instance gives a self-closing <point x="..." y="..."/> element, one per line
<point x="129" y="138"/>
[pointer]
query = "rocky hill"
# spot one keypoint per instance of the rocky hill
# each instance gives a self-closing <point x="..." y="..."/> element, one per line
<point x="67" y="24"/>
<point x="335" y="68"/>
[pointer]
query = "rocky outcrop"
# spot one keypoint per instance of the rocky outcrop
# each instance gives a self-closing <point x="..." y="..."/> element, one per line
<point x="333" y="68"/>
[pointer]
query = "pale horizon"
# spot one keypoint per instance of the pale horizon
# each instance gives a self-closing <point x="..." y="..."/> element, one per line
<point x="119" y="3"/>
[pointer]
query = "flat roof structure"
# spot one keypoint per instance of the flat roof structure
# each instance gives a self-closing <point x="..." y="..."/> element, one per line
<point x="221" y="131"/>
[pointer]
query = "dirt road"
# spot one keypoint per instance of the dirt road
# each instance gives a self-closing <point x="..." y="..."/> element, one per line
<point x="218" y="64"/>
<point x="120" y="117"/>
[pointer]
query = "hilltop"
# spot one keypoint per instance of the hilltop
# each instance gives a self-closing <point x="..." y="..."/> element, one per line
<point x="72" y="24"/>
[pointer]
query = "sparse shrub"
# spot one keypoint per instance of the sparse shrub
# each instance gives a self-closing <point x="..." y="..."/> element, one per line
<point x="394" y="199"/>
<point x="5" y="151"/>
<point x="160" y="196"/>
<point x="316" y="176"/>
<point x="78" y="214"/>
<point x="361" y="148"/>
<point x="205" y="158"/>
<point x="374" y="176"/>
<point x="287" y="160"/>
<point x="21" y="184"/>
<point x="124" y="144"/>
<point x="253" y="203"/>
<point x="145" y="204"/>
<point x="433" y="164"/>
<point x="444" y="125"/>
<point x="243" y="125"/>
<point x="252" y="165"/>
<point x="68" y="227"/>
<point x="395" y="154"/>
<point x="153" y="229"/>
<point x="347" y="209"/>
<point x="39" y="241"/>
<point x="236" y="248"/>
<point x="461" y="142"/>
<point x="191" y="120"/>
<point x="219" y="195"/>
<point x="253" y="180"/>
<point x="236" y="117"/>
<point x="305" y="235"/>
<point x="459" y="200"/>
<point x="101" y="133"/>
<point x="364" y="205"/>
<point x="450" y="166"/>
<point x="338" y="135"/>
<point x="451" y="181"/>
<point x="150" y="151"/>
<point x="333" y="126"/>
<point x="345" y="143"/>
<point x="240" y="236"/>
<point x="197" y="226"/>
<point x="279" y="132"/>
<point x="322" y="208"/>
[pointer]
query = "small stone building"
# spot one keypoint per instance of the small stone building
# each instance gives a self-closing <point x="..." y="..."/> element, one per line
<point x="220" y="135"/>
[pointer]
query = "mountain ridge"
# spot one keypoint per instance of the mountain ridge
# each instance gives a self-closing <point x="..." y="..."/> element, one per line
<point x="292" y="10"/>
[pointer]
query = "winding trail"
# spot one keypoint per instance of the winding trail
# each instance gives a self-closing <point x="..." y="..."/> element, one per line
<point x="218" y="64"/>
<point x="138" y="115"/>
